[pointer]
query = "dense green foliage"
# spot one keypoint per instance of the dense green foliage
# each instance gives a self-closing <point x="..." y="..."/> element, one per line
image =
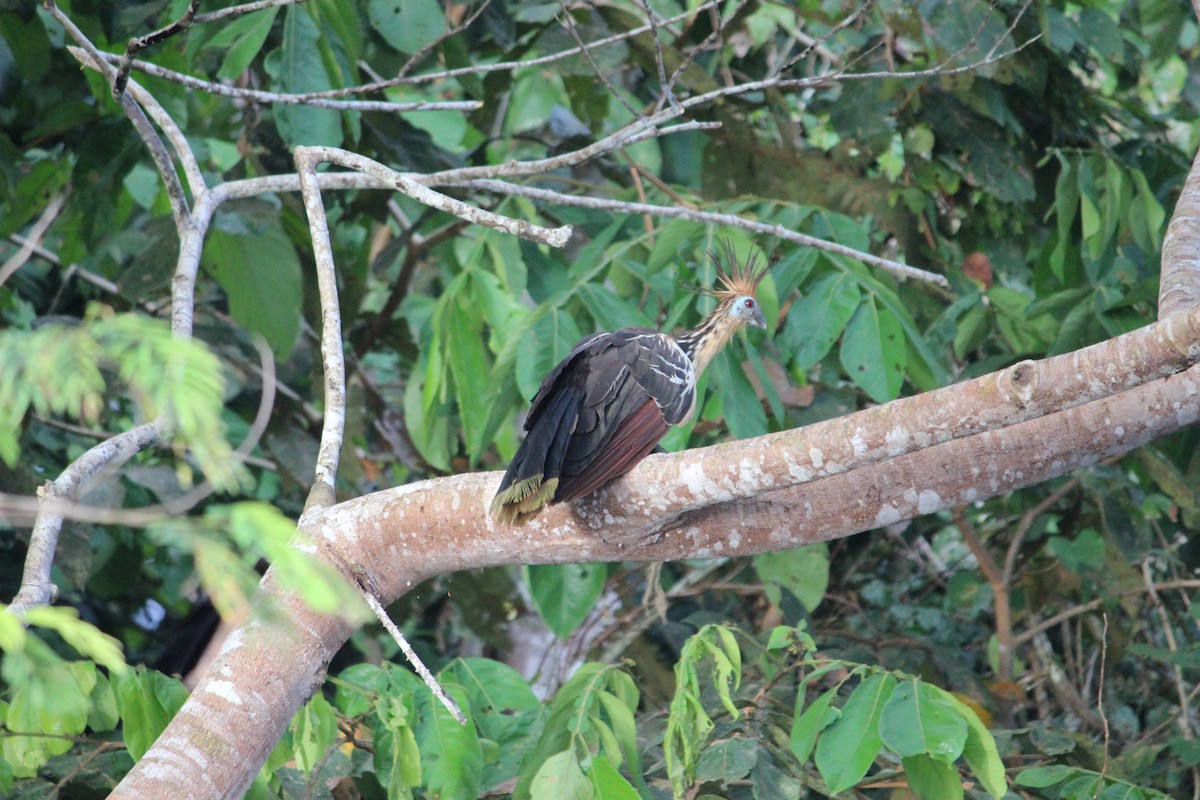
<point x="1037" y="183"/>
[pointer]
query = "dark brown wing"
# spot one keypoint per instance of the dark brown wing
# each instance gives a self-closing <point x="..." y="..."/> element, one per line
<point x="597" y="414"/>
<point x="637" y="386"/>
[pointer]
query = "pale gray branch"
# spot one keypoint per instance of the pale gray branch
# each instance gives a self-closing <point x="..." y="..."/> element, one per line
<point x="333" y="358"/>
<point x="283" y="98"/>
<point x="708" y="217"/>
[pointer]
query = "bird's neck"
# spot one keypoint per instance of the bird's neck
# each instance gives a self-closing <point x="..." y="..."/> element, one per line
<point x="704" y="341"/>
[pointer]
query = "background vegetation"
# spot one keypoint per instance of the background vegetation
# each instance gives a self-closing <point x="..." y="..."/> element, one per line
<point x="1037" y="181"/>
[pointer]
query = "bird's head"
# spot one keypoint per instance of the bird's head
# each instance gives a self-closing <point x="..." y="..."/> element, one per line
<point x="738" y="285"/>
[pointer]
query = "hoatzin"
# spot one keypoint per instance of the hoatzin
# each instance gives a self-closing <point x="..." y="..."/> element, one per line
<point x="607" y="405"/>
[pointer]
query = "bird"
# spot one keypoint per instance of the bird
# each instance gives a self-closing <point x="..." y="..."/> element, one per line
<point x="608" y="404"/>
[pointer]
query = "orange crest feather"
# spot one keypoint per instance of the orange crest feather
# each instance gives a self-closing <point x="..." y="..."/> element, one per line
<point x="737" y="279"/>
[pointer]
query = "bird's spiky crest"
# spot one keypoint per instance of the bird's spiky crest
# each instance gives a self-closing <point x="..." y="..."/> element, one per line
<point x="737" y="278"/>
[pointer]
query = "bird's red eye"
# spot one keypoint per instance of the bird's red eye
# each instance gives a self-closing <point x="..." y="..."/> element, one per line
<point x="748" y="302"/>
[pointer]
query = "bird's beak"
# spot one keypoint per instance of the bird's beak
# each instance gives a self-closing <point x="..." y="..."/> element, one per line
<point x="757" y="319"/>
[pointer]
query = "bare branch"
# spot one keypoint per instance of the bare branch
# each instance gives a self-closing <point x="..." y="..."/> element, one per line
<point x="333" y="358"/>
<point x="36" y="231"/>
<point x="84" y="472"/>
<point x="158" y="152"/>
<point x="584" y="201"/>
<point x="419" y="665"/>
<point x="501" y="66"/>
<point x="412" y="185"/>
<point x="149" y="40"/>
<point x="283" y="98"/>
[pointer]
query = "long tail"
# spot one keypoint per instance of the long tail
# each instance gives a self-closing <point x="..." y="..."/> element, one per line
<point x="532" y="477"/>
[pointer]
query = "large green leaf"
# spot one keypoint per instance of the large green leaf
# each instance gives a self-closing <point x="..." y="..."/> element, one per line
<point x="873" y="351"/>
<point x="565" y="593"/>
<point x="980" y="751"/>
<point x="299" y="68"/>
<point x="314" y="730"/>
<point x="919" y="720"/>
<point x="244" y="37"/>
<point x="407" y="25"/>
<point x="807" y="725"/>
<point x="848" y="747"/>
<point x="561" y="778"/>
<point x="148" y="700"/>
<point x="260" y="273"/>
<point x="451" y="753"/>
<point x="803" y="571"/>
<point x="932" y="778"/>
<point x="816" y="321"/>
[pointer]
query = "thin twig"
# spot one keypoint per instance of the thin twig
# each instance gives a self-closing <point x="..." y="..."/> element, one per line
<point x="149" y="40"/>
<point x="141" y="124"/>
<point x="667" y="95"/>
<point x="1100" y="702"/>
<point x="283" y="98"/>
<point x="1092" y="605"/>
<point x="36" y="231"/>
<point x="893" y="267"/>
<point x="1000" y="595"/>
<point x="413" y="658"/>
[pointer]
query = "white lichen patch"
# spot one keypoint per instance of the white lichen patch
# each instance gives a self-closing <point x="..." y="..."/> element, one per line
<point x="888" y="515"/>
<point x="226" y="690"/>
<point x="696" y="480"/>
<point x="897" y="440"/>
<point x="735" y="539"/>
<point x="858" y="444"/>
<point x="928" y="502"/>
<point x="817" y="457"/>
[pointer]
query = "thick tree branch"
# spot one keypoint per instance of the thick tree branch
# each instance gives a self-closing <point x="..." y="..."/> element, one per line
<point x="1179" y="287"/>
<point x="408" y="534"/>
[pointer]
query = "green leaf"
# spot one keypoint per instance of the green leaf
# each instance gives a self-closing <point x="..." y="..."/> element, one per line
<point x="816" y="321"/>
<point x="560" y="778"/>
<point x="743" y="411"/>
<point x="462" y="332"/>
<point x="919" y="720"/>
<point x="564" y="594"/>
<point x="848" y="747"/>
<point x="980" y="751"/>
<point x="608" y="783"/>
<point x="147" y="700"/>
<point x="451" y="754"/>
<point x="689" y="723"/>
<point x="103" y="714"/>
<point x="300" y="69"/>
<point x="314" y="732"/>
<point x="260" y="274"/>
<point x="407" y="25"/>
<point x="573" y="717"/>
<point x="727" y="760"/>
<point x="87" y="640"/>
<point x="803" y="571"/>
<point x="932" y="778"/>
<point x="397" y="758"/>
<point x="873" y="351"/>
<point x="1041" y="777"/>
<point x="816" y="718"/>
<point x="247" y="36"/>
